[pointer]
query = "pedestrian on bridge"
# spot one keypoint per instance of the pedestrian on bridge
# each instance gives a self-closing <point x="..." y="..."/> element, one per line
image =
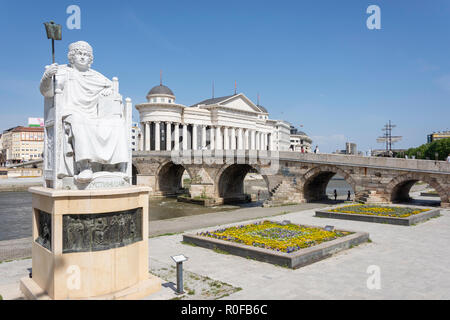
<point x="335" y="195"/>
<point x="348" y="195"/>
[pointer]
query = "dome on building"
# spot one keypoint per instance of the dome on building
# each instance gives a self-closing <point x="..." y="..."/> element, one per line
<point x="161" y="89"/>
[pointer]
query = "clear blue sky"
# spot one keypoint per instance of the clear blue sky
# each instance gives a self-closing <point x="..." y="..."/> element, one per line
<point x="313" y="62"/>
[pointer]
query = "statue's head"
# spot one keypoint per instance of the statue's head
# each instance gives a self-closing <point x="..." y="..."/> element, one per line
<point x="80" y="55"/>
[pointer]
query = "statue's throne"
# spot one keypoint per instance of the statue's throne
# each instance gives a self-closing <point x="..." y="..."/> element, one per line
<point x="55" y="135"/>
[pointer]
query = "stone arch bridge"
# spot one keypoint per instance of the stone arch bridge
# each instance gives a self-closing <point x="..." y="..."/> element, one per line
<point x="290" y="177"/>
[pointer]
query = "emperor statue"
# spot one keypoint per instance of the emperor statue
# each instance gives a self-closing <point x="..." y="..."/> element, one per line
<point x="95" y="134"/>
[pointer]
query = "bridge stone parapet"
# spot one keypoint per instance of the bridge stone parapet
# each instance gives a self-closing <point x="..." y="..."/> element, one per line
<point x="290" y="177"/>
<point x="373" y="162"/>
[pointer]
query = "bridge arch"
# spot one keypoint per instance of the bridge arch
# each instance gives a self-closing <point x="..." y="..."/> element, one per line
<point x="315" y="181"/>
<point x="399" y="187"/>
<point x="230" y="181"/>
<point x="169" y="178"/>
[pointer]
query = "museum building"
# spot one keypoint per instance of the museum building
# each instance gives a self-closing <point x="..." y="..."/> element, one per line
<point x="224" y="123"/>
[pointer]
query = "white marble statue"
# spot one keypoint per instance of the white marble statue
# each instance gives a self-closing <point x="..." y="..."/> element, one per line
<point x="95" y="133"/>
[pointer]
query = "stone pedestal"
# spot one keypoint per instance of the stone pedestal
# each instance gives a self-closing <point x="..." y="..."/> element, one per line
<point x="90" y="244"/>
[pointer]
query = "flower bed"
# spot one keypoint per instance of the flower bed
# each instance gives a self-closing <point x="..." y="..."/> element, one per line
<point x="376" y="210"/>
<point x="285" y="244"/>
<point x="399" y="215"/>
<point x="275" y="236"/>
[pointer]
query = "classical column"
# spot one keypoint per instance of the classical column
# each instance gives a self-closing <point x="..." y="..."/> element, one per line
<point x="246" y="144"/>
<point x="226" y="143"/>
<point x="157" y="136"/>
<point x="219" y="138"/>
<point x="240" y="146"/>
<point x="147" y="136"/>
<point x="271" y="141"/>
<point x="177" y="136"/>
<point x="261" y="144"/>
<point x="262" y="140"/>
<point x="169" y="136"/>
<point x="203" y="137"/>
<point x="233" y="138"/>
<point x="194" y="137"/>
<point x="185" y="134"/>
<point x="253" y="140"/>
<point x="211" y="138"/>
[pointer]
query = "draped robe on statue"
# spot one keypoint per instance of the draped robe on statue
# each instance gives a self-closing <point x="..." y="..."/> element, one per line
<point x="94" y="127"/>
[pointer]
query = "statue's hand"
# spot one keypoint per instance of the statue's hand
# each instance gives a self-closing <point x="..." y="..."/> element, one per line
<point x="51" y="71"/>
<point x="106" y="92"/>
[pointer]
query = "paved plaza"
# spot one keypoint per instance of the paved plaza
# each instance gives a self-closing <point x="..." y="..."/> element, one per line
<point x="414" y="264"/>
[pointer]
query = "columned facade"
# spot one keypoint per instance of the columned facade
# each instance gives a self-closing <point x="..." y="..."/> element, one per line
<point x="226" y="123"/>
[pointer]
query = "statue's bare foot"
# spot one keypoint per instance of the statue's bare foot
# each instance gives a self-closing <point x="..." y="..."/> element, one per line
<point x="85" y="176"/>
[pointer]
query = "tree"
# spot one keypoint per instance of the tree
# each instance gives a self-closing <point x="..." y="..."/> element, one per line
<point x="429" y="150"/>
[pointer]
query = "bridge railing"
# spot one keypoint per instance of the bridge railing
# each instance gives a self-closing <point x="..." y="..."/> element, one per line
<point x="381" y="162"/>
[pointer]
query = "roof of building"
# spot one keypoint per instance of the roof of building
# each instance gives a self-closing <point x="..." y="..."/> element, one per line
<point x="28" y="129"/>
<point x="161" y="89"/>
<point x="262" y="108"/>
<point x="212" y="101"/>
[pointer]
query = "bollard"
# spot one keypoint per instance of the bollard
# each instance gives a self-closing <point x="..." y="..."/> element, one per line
<point x="179" y="259"/>
<point x="180" y="278"/>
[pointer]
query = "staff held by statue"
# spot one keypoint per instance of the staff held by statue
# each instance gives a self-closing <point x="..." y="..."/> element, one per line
<point x="54" y="32"/>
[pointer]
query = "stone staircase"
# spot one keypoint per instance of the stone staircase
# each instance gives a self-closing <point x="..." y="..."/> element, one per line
<point x="370" y="197"/>
<point x="283" y="194"/>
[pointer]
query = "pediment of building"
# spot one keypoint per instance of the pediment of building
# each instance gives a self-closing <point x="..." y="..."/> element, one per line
<point x="240" y="102"/>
